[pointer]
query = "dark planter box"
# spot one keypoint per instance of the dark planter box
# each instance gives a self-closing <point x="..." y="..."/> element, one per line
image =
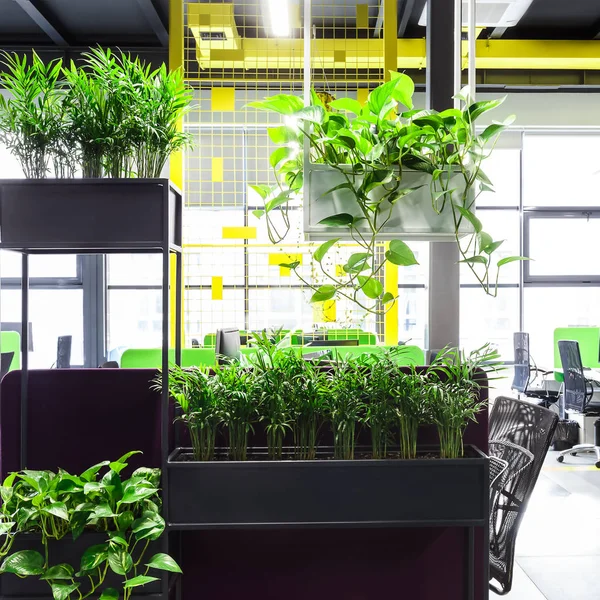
<point x="89" y="214"/>
<point x="68" y="551"/>
<point x="391" y="492"/>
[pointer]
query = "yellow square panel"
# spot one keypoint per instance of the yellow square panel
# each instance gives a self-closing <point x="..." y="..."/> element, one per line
<point x="217" y="170"/>
<point x="217" y="288"/>
<point x="284" y="272"/>
<point x="339" y="271"/>
<point x="276" y="258"/>
<point x="239" y="233"/>
<point x="222" y="99"/>
<point x="362" y="16"/>
<point x="362" y="94"/>
<point x="324" y="312"/>
<point x="339" y="56"/>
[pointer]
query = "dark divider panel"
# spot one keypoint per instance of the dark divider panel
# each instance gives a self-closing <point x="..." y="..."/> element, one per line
<point x="81" y="417"/>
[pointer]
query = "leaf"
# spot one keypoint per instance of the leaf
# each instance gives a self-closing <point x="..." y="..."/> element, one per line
<point x="57" y="509"/>
<point x="400" y="254"/>
<point x="109" y="594"/>
<point x="401" y="193"/>
<point x="341" y="220"/>
<point x="482" y="260"/>
<point x="485" y="239"/>
<point x="139" y="581"/>
<point x="509" y="259"/>
<point x="62" y="571"/>
<point x="283" y="134"/>
<point x="490" y="248"/>
<point x="371" y="287"/>
<point x="322" y="250"/>
<point x="341" y="186"/>
<point x="93" y="557"/>
<point x="262" y="190"/>
<point x="23" y="563"/>
<point x="163" y="562"/>
<point x="323" y="293"/>
<point x="387" y="297"/>
<point x="258" y="213"/>
<point x="6" y="526"/>
<point x="467" y="214"/>
<point x="281" y="154"/>
<point x="149" y="526"/>
<point x="291" y="266"/>
<point x="495" y="128"/>
<point x="312" y="114"/>
<point x="475" y="110"/>
<point x="120" y="561"/>
<point x="284" y="104"/>
<point x="89" y="474"/>
<point x="347" y="104"/>
<point x="63" y="591"/>
<point x="359" y="261"/>
<point x="279" y="200"/>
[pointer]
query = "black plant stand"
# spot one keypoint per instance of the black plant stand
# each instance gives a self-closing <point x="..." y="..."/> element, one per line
<point x="97" y="216"/>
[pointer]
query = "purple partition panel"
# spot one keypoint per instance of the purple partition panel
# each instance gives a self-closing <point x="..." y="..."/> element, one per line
<point x="79" y="417"/>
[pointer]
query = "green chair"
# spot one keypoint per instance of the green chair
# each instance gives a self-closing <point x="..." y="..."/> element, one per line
<point x="406" y="356"/>
<point x="10" y="341"/>
<point x="589" y="344"/>
<point x="151" y="358"/>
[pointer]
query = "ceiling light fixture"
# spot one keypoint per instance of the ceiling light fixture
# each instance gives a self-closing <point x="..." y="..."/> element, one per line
<point x="279" y="15"/>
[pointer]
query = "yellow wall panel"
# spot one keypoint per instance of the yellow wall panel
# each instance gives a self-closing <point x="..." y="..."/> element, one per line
<point x="284" y="272"/>
<point x="217" y="288"/>
<point x="362" y="94"/>
<point x="217" y="170"/>
<point x="239" y="233"/>
<point x="362" y="16"/>
<point x="276" y="258"/>
<point x="222" y="99"/>
<point x="324" y="312"/>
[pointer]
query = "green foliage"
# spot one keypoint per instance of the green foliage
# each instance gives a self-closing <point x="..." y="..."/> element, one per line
<point x="110" y="114"/>
<point x="371" y="147"/>
<point x="55" y="505"/>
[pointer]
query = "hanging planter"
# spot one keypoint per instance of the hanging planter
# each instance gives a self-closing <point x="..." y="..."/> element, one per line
<point x="378" y="172"/>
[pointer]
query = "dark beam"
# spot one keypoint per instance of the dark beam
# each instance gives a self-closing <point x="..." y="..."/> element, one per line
<point x="44" y="20"/>
<point x="155" y="21"/>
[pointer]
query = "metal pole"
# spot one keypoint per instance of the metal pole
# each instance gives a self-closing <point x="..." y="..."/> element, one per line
<point x="24" y="356"/>
<point x="472" y="35"/>
<point x="457" y="49"/>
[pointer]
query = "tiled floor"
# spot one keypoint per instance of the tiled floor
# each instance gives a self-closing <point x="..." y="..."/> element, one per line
<point x="558" y="548"/>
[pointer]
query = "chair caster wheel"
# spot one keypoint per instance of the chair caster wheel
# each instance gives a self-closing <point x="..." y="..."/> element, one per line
<point x="598" y="465"/>
<point x="573" y="453"/>
<point x="560" y="458"/>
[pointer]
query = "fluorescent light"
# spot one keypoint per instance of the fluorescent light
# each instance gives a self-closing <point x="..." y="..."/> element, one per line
<point x="279" y="15"/>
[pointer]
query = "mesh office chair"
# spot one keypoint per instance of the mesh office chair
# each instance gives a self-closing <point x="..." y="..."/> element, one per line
<point x="522" y="368"/>
<point x="520" y="433"/>
<point x="63" y="352"/>
<point x="578" y="392"/>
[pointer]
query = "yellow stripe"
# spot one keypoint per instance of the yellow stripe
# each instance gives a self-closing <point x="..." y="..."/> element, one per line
<point x="391" y="316"/>
<point x="217" y="170"/>
<point x="176" y="159"/>
<point x="239" y="233"/>
<point x="222" y="99"/>
<point x="217" y="288"/>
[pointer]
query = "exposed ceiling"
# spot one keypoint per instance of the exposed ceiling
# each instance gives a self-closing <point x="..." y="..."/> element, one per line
<point x="66" y="26"/>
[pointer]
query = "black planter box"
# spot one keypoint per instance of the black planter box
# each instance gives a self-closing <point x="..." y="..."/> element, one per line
<point x="67" y="551"/>
<point x="89" y="214"/>
<point x="329" y="493"/>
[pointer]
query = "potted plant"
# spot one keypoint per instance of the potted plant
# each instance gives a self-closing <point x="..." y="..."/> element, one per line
<point x="112" y="115"/>
<point x="375" y="401"/>
<point x="384" y="173"/>
<point x="81" y="536"/>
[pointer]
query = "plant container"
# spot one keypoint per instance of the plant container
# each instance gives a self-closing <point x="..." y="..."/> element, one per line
<point x="67" y="551"/>
<point x="413" y="216"/>
<point x="326" y="492"/>
<point x="89" y="214"/>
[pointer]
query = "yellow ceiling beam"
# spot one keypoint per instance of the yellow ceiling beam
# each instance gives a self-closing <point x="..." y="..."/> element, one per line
<point x="268" y="53"/>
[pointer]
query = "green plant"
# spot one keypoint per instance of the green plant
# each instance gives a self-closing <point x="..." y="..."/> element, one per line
<point x="56" y="504"/>
<point x="32" y="120"/>
<point x="345" y="405"/>
<point x="238" y="405"/>
<point x="193" y="391"/>
<point x="454" y="381"/>
<point x="371" y="152"/>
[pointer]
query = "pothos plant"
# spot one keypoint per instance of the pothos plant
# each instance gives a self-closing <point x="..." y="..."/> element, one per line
<point x="57" y="505"/>
<point x="372" y="146"/>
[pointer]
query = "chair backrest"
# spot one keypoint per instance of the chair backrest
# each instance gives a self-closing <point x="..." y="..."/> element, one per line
<point x="110" y="364"/>
<point x="521" y="359"/>
<point x="5" y="361"/>
<point x="516" y="423"/>
<point x="575" y="387"/>
<point x="63" y="352"/>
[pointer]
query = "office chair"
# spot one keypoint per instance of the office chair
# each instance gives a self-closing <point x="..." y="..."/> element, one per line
<point x="110" y="364"/>
<point x="520" y="433"/>
<point x="63" y="352"/>
<point x="522" y="378"/>
<point x="6" y="359"/>
<point x="578" y="393"/>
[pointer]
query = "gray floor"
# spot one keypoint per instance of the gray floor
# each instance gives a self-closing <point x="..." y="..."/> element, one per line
<point x="558" y="548"/>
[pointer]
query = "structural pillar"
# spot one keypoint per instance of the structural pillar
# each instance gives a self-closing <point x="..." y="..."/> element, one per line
<point x="444" y="274"/>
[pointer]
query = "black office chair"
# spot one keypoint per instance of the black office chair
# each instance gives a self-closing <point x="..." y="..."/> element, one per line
<point x="523" y="370"/>
<point x="520" y="433"/>
<point x="111" y="364"/>
<point x="63" y="352"/>
<point x="6" y="359"/>
<point x="578" y="393"/>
